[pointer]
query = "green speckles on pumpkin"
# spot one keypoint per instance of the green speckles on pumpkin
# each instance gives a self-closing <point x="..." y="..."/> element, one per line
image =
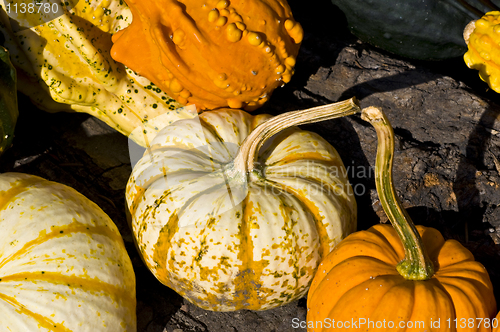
<point x="203" y="250"/>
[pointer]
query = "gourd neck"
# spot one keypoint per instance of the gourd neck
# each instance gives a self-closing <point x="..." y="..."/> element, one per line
<point x="245" y="159"/>
<point x="416" y="265"/>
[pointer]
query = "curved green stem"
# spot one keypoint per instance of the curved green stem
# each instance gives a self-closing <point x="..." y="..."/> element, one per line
<point x="245" y="159"/>
<point x="416" y="265"/>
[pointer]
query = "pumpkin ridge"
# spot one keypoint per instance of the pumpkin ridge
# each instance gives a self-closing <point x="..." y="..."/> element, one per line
<point x="42" y="321"/>
<point x="338" y="201"/>
<point x="250" y="270"/>
<point x="240" y="123"/>
<point x="266" y="151"/>
<point x="327" y="265"/>
<point x="271" y="179"/>
<point x="191" y="151"/>
<point x="403" y="291"/>
<point x="314" y="156"/>
<point x="314" y="210"/>
<point x="139" y="194"/>
<point x="213" y="188"/>
<point x="18" y="187"/>
<point x="215" y="133"/>
<point x="210" y="127"/>
<point x="150" y="209"/>
<point x="61" y="231"/>
<point x="431" y="303"/>
<point x="81" y="282"/>
<point x="467" y="295"/>
<point x="472" y="279"/>
<point x="457" y="282"/>
<point x="324" y="286"/>
<point x="211" y="165"/>
<point x="141" y="191"/>
<point x="369" y="246"/>
<point x="162" y="249"/>
<point x="467" y="269"/>
<point x="433" y="241"/>
<point x="391" y="285"/>
<point x="288" y="226"/>
<point x="387" y="233"/>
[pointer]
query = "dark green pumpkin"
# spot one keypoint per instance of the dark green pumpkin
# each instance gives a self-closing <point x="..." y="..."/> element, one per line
<point x="8" y="100"/>
<point x="418" y="29"/>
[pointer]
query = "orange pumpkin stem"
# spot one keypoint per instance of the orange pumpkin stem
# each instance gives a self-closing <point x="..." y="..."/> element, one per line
<point x="244" y="160"/>
<point x="416" y="265"/>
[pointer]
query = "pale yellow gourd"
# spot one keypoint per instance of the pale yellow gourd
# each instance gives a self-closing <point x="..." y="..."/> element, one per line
<point x="63" y="263"/>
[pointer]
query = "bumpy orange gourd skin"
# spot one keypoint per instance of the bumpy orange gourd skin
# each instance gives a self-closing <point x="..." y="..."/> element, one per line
<point x="484" y="54"/>
<point x="358" y="280"/>
<point x="213" y="53"/>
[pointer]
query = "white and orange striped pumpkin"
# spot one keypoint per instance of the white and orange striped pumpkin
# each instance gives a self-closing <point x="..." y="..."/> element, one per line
<point x="230" y="225"/>
<point x="63" y="263"/>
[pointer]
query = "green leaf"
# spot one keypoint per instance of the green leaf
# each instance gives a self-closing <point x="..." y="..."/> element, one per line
<point x="8" y="100"/>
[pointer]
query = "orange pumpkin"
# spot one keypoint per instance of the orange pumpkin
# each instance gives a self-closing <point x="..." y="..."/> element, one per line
<point x="495" y="323"/>
<point x="214" y="53"/>
<point x="402" y="277"/>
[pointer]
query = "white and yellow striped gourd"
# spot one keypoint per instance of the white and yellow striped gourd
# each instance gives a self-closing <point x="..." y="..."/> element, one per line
<point x="231" y="218"/>
<point x="63" y="263"/>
